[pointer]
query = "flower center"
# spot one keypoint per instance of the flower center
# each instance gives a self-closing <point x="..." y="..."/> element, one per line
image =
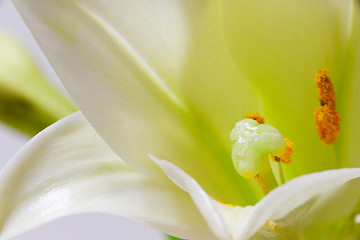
<point x="326" y="117"/>
<point x="257" y="146"/>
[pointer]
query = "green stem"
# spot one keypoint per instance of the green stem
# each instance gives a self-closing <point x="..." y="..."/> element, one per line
<point x="267" y="176"/>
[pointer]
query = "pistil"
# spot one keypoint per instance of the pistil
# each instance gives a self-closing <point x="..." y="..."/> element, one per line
<point x="254" y="146"/>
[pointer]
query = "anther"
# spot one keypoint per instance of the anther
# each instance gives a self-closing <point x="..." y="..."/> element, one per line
<point x="326" y="117"/>
<point x="256" y="116"/>
<point x="284" y="157"/>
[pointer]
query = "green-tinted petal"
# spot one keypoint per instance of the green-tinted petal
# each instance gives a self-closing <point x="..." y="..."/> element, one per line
<point x="68" y="169"/>
<point x="279" y="45"/>
<point x="27" y="101"/>
<point x="310" y="200"/>
<point x="349" y="102"/>
<point x="152" y="77"/>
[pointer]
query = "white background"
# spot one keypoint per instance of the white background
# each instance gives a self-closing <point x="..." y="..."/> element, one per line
<point x="81" y="227"/>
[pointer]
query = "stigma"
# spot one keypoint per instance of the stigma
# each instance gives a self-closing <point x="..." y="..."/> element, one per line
<point x="326" y="117"/>
<point x="255" y="144"/>
<point x="252" y="144"/>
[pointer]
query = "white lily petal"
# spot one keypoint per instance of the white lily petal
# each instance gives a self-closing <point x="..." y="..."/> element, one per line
<point x="279" y="46"/>
<point x="150" y="72"/>
<point x="223" y="220"/>
<point x="233" y="216"/>
<point x="68" y="169"/>
<point x="307" y="194"/>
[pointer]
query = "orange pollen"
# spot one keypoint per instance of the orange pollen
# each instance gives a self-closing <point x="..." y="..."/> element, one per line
<point x="261" y="184"/>
<point x="256" y="116"/>
<point x="326" y="117"/>
<point x="285" y="156"/>
<point x="225" y="203"/>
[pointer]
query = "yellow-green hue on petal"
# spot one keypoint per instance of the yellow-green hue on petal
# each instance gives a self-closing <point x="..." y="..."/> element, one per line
<point x="27" y="101"/>
<point x="350" y="99"/>
<point x="68" y="169"/>
<point x="154" y="89"/>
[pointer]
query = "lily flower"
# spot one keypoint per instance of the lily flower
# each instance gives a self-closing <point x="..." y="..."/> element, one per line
<point x="160" y="86"/>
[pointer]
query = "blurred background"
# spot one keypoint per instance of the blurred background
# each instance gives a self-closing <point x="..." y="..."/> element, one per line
<point x="81" y="227"/>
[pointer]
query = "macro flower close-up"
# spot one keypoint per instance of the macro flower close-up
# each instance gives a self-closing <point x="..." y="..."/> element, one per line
<point x="203" y="119"/>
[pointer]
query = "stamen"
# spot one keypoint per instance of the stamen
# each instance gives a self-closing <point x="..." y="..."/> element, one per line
<point x="284" y="157"/>
<point x="256" y="116"/>
<point x="326" y="117"/>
